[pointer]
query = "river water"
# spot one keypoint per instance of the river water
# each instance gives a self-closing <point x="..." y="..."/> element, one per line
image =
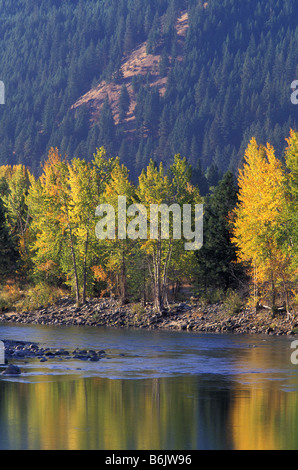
<point x="154" y="390"/>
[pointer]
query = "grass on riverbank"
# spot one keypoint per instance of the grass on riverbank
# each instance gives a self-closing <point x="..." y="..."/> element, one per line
<point x="15" y="298"/>
<point x="232" y="300"/>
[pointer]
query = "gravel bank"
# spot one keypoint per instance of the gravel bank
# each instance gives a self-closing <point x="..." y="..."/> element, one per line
<point x="190" y="316"/>
<point x="108" y="313"/>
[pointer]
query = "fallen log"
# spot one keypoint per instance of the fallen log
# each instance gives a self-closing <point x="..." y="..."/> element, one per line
<point x="279" y="309"/>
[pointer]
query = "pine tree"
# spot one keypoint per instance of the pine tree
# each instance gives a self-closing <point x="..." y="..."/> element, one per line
<point x="124" y="103"/>
<point x="107" y="134"/>
<point x="8" y="251"/>
<point x="128" y="36"/>
<point x="217" y="267"/>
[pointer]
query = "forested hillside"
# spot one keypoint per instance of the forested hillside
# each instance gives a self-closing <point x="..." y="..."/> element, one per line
<point x="228" y="80"/>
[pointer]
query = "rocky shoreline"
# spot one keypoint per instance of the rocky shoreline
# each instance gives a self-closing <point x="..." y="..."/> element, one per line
<point x="22" y="351"/>
<point x="190" y="316"/>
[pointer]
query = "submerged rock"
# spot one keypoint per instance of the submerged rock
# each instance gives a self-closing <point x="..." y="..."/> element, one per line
<point x="12" y="370"/>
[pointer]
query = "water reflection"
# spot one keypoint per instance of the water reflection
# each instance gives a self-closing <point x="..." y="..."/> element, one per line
<point x="264" y="418"/>
<point x="162" y="413"/>
<point x="167" y="392"/>
<point x="99" y="414"/>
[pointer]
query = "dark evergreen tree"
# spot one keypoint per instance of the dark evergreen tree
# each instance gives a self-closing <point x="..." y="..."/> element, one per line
<point x="154" y="35"/>
<point x="107" y="130"/>
<point x="124" y="102"/>
<point x="8" y="252"/>
<point x="213" y="176"/>
<point x="128" y="36"/>
<point x="199" y="179"/>
<point x="217" y="258"/>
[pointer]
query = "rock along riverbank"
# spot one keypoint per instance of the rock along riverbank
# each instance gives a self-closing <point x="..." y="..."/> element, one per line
<point x="190" y="316"/>
<point x="24" y="350"/>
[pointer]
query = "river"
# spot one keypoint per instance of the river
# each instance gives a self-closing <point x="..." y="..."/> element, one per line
<point x="154" y="390"/>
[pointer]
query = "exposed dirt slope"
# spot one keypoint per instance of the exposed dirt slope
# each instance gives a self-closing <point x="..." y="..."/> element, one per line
<point x="137" y="63"/>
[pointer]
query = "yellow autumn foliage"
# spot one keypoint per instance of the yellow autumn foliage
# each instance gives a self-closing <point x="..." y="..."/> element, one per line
<point x="258" y="216"/>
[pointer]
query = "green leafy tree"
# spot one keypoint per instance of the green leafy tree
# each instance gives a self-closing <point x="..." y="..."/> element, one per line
<point x="119" y="250"/>
<point x="17" y="213"/>
<point x="171" y="190"/>
<point x="51" y="204"/>
<point x="155" y="188"/>
<point x="258" y="217"/>
<point x="85" y="197"/>
<point x="291" y="159"/>
<point x="62" y="203"/>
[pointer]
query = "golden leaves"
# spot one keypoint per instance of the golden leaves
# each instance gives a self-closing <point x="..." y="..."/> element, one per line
<point x="260" y="214"/>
